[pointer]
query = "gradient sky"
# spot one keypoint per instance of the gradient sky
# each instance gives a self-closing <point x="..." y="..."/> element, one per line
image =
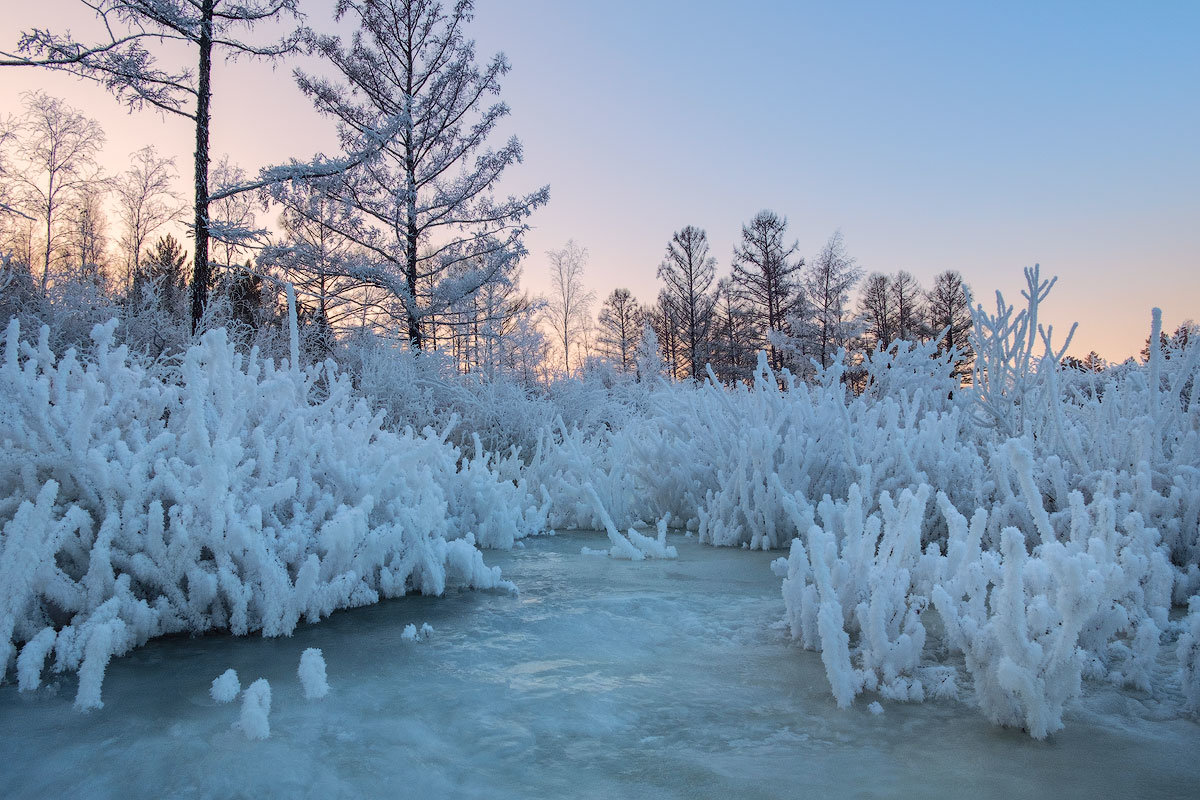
<point x="981" y="137"/>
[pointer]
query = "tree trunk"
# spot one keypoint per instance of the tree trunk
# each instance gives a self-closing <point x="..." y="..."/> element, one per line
<point x="201" y="276"/>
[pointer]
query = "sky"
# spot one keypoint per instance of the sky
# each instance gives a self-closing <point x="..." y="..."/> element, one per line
<point x="982" y="137"/>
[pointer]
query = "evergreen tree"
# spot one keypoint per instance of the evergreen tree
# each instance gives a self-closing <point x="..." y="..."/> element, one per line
<point x="161" y="279"/>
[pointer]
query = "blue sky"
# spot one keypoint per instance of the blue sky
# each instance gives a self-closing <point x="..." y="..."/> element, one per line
<point x="974" y="136"/>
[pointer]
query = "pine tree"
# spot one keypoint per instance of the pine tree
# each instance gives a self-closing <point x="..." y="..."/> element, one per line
<point x="161" y="280"/>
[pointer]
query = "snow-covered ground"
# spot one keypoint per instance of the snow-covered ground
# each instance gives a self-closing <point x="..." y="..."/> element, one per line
<point x="602" y="678"/>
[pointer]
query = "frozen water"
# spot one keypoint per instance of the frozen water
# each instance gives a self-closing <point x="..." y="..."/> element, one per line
<point x="602" y="679"/>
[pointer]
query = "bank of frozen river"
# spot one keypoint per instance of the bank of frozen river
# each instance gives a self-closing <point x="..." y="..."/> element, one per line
<point x="602" y="679"/>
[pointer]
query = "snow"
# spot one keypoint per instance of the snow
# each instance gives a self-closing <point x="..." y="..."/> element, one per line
<point x="256" y="708"/>
<point x="1010" y="546"/>
<point x="602" y="678"/>
<point x="225" y="687"/>
<point x="312" y="674"/>
<point x="238" y="496"/>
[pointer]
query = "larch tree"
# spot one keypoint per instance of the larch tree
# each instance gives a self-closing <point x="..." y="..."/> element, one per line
<point x="876" y="310"/>
<point x="733" y="337"/>
<point x="907" y="297"/>
<point x="664" y="322"/>
<point x="765" y="273"/>
<point x="688" y="272"/>
<point x="126" y="61"/>
<point x="311" y="256"/>
<point x="620" y="322"/>
<point x="948" y="309"/>
<point x="569" y="304"/>
<point x="411" y="96"/>
<point x="827" y="284"/>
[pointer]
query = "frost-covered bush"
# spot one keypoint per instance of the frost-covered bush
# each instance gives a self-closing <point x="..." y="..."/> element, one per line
<point x="312" y="674"/>
<point x="857" y="591"/>
<point x="225" y="687"/>
<point x="244" y="496"/>
<point x="1188" y="651"/>
<point x="254" y="720"/>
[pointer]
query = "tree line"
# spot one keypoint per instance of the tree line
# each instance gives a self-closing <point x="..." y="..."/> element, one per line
<point x="400" y="233"/>
<point x="801" y="312"/>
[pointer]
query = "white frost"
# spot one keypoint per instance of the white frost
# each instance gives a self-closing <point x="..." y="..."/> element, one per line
<point x="312" y="674"/>
<point x="254" y="721"/>
<point x="225" y="687"/>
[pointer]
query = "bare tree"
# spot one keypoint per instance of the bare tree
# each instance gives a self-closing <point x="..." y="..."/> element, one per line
<point x="876" y="310"/>
<point x="312" y="255"/>
<point x="569" y="305"/>
<point x="87" y="236"/>
<point x="766" y="276"/>
<point x="232" y="221"/>
<point x="412" y="95"/>
<point x="125" y="63"/>
<point x="663" y="318"/>
<point x="146" y="202"/>
<point x="620" y="323"/>
<point x="689" y="272"/>
<point x="733" y="337"/>
<point x="949" y="312"/>
<point x="827" y="284"/>
<point x="907" y="298"/>
<point x="55" y="147"/>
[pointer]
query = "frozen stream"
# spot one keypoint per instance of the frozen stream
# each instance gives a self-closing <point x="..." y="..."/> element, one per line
<point x="604" y="679"/>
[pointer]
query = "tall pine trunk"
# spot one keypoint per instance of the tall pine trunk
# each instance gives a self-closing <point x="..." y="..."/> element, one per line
<point x="201" y="276"/>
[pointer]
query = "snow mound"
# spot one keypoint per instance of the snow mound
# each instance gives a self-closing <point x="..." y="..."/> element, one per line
<point x="312" y="674"/>
<point x="256" y="708"/>
<point x="225" y="687"/>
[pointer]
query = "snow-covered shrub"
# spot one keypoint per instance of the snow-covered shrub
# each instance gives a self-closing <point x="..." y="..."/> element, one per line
<point x="225" y="687"/>
<point x="242" y="496"/>
<point x="1188" y="650"/>
<point x="254" y="720"/>
<point x="312" y="674"/>
<point x="856" y="592"/>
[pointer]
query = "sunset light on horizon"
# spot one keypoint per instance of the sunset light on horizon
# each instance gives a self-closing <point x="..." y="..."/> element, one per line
<point x="935" y="136"/>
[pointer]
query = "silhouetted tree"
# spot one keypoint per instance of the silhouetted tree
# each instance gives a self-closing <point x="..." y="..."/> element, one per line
<point x="689" y="272"/>
<point x="765" y="275"/>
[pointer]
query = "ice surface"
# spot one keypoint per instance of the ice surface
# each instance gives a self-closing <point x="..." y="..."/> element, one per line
<point x="602" y="679"/>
